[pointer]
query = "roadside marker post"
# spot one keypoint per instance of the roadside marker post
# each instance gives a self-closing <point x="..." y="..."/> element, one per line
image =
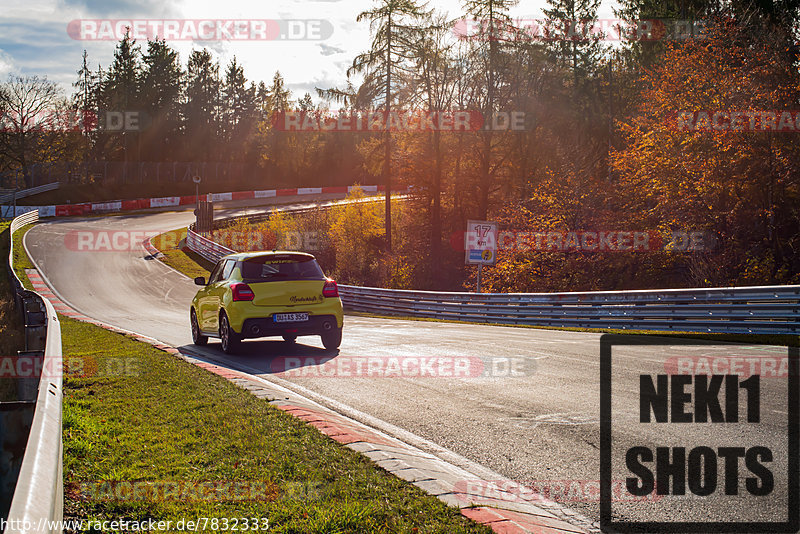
<point x="480" y="244"/>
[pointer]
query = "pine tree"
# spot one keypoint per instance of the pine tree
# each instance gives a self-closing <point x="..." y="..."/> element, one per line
<point x="493" y="18"/>
<point x="85" y="97"/>
<point x="201" y="111"/>
<point x="163" y="80"/>
<point x="238" y="110"/>
<point x="575" y="46"/>
<point x="120" y="93"/>
<point x="394" y="33"/>
<point x="84" y="102"/>
<point x="278" y="96"/>
<point x="305" y="103"/>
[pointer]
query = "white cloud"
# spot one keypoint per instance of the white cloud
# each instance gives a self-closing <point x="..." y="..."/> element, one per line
<point x="7" y="65"/>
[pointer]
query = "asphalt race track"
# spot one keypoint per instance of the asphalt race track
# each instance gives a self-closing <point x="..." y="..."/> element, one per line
<point x="537" y="427"/>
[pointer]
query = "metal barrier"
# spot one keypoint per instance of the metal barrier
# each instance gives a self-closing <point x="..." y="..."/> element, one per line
<point x="23" y="220"/>
<point x="8" y="198"/>
<point x="742" y="310"/>
<point x="213" y="251"/>
<point x="207" y="248"/>
<point x="38" y="496"/>
<point x="746" y="310"/>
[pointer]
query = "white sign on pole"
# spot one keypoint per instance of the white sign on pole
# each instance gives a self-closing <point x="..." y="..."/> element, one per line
<point x="480" y="243"/>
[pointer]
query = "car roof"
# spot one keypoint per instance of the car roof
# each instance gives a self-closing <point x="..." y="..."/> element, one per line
<point x="241" y="256"/>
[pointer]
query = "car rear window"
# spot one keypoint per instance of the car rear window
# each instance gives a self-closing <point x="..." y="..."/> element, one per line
<point x="276" y="268"/>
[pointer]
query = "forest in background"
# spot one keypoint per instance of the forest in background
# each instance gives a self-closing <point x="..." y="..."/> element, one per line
<point x="598" y="152"/>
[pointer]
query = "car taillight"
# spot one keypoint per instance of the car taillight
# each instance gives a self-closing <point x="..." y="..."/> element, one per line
<point x="242" y="292"/>
<point x="330" y="289"/>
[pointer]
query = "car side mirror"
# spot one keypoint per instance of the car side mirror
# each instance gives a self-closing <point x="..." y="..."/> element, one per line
<point x="200" y="281"/>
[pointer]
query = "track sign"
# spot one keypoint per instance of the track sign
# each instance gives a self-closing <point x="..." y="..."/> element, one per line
<point x="480" y="243"/>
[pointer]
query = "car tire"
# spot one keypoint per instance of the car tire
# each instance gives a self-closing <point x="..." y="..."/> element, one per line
<point x="197" y="336"/>
<point x="230" y="339"/>
<point x="331" y="340"/>
<point x="289" y="338"/>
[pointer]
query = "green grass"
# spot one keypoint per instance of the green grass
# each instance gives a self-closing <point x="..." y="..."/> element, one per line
<point x="21" y="259"/>
<point x="132" y="413"/>
<point x="180" y="258"/>
<point x="168" y="420"/>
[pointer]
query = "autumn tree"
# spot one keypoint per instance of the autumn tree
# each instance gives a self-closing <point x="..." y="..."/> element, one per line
<point x="741" y="186"/>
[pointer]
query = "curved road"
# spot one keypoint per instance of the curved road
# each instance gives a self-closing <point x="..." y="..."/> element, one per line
<point x="539" y="427"/>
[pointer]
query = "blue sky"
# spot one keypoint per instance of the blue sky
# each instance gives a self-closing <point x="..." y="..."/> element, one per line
<point x="34" y="37"/>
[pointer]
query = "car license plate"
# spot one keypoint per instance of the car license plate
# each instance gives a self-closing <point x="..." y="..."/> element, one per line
<point x="290" y="317"/>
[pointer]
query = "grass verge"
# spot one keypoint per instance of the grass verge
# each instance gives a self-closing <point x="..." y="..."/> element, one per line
<point x="186" y="261"/>
<point x="176" y="255"/>
<point x="200" y="447"/>
<point x="166" y="421"/>
<point x="21" y="259"/>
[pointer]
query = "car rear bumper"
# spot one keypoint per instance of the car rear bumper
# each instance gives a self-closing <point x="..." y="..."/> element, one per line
<point x="265" y="326"/>
<point x="240" y="313"/>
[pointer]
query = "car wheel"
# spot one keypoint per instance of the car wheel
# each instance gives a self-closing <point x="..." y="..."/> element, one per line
<point x="331" y="340"/>
<point x="289" y="338"/>
<point x="197" y="337"/>
<point x="230" y="339"/>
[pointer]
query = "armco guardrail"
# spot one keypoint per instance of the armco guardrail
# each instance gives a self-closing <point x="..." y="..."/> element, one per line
<point x="207" y="248"/>
<point x="735" y="310"/>
<point x="749" y="310"/>
<point x="38" y="494"/>
<point x="213" y="251"/>
<point x="8" y="198"/>
<point x="23" y="220"/>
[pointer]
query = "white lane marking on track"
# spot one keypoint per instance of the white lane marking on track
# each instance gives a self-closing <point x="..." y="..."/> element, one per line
<point x="559" y="418"/>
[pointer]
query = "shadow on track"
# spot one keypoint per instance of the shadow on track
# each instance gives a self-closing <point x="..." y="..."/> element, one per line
<point x="270" y="356"/>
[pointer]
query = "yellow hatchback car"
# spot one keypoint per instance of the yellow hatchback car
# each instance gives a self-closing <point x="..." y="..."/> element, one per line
<point x="260" y="294"/>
